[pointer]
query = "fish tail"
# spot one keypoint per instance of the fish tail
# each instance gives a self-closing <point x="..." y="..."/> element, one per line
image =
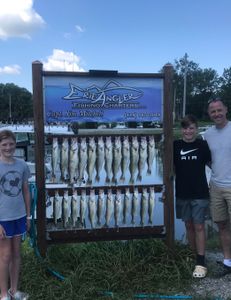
<point x="139" y="177"/>
<point x="97" y="178"/>
<point x="131" y="180"/>
<point x="149" y="171"/>
<point x="122" y="178"/>
<point x="114" y="179"/>
<point x="108" y="179"/>
<point x="89" y="181"/>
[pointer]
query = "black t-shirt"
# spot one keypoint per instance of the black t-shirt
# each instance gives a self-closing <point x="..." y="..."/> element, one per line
<point x="189" y="162"/>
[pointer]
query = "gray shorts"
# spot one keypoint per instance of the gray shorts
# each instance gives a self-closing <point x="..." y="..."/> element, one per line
<point x="195" y="210"/>
<point x="220" y="203"/>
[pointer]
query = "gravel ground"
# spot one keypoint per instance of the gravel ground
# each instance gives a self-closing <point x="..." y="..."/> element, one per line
<point x="215" y="288"/>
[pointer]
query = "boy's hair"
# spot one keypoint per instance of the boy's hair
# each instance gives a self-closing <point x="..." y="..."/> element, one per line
<point x="5" y="134"/>
<point x="188" y="120"/>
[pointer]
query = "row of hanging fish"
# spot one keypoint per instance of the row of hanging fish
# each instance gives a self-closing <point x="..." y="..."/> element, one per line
<point x="79" y="161"/>
<point x="104" y="209"/>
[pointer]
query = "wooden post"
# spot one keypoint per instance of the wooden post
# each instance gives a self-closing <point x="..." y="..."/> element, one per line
<point x="168" y="155"/>
<point x="39" y="155"/>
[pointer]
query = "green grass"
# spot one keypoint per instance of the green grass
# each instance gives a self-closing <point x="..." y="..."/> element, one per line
<point x="124" y="268"/>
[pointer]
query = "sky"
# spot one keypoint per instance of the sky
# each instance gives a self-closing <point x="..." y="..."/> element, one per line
<point x="134" y="36"/>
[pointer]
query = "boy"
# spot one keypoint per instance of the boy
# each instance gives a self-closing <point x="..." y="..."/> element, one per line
<point x="191" y="155"/>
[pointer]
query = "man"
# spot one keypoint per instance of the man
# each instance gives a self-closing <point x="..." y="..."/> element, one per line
<point x="191" y="155"/>
<point x="219" y="141"/>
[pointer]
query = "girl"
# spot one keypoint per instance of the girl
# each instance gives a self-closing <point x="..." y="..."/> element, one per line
<point x="14" y="215"/>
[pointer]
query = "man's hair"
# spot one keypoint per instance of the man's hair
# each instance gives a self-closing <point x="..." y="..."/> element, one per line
<point x="5" y="134"/>
<point x="216" y="99"/>
<point x="188" y="120"/>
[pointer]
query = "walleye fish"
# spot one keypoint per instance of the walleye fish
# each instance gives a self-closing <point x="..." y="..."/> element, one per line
<point x="66" y="208"/>
<point x="108" y="158"/>
<point x="151" y="153"/>
<point x="126" y="205"/>
<point x="125" y="157"/>
<point x="91" y="159"/>
<point x="100" y="206"/>
<point x="134" y="208"/>
<point x="134" y="158"/>
<point x="82" y="159"/>
<point x="143" y="154"/>
<point x="74" y="208"/>
<point x="117" y="207"/>
<point x="151" y="204"/>
<point x="143" y="206"/>
<point x="57" y="207"/>
<point x="64" y="159"/>
<point x="83" y="206"/>
<point x="109" y="207"/>
<point x="74" y="160"/>
<point x="117" y="157"/>
<point x="55" y="158"/>
<point x="99" y="157"/>
<point x="92" y="208"/>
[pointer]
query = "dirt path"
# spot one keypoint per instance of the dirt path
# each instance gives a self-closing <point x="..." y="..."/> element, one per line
<point x="216" y="288"/>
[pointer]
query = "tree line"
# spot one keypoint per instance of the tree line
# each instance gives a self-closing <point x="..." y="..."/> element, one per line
<point x="15" y="104"/>
<point x="192" y="85"/>
<point x="201" y="85"/>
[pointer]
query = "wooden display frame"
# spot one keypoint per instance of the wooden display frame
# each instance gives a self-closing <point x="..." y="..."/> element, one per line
<point x="165" y="231"/>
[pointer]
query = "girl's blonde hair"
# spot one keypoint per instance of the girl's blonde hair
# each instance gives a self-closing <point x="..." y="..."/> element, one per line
<point x="5" y="134"/>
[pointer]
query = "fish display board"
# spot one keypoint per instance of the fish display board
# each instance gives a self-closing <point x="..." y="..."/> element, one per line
<point x="102" y="186"/>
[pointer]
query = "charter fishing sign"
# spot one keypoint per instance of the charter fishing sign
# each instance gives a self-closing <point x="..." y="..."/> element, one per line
<point x="101" y="99"/>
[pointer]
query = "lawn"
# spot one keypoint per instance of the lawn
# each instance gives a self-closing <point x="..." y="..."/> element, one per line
<point x="105" y="270"/>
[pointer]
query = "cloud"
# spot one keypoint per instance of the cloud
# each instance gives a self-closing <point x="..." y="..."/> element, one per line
<point x="67" y="35"/>
<point x="63" y="61"/>
<point x="18" y="19"/>
<point x="12" y="70"/>
<point x="79" y="28"/>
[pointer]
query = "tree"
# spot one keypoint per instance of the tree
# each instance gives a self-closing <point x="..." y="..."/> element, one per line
<point x="201" y="84"/>
<point x="15" y="103"/>
<point x="225" y="88"/>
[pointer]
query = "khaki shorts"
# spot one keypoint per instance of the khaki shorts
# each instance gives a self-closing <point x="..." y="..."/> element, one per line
<point x="220" y="203"/>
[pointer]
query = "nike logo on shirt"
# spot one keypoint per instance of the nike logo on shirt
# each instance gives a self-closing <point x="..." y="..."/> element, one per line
<point x="182" y="152"/>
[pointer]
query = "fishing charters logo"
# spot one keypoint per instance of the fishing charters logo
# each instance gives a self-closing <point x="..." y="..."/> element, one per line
<point x="112" y="93"/>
